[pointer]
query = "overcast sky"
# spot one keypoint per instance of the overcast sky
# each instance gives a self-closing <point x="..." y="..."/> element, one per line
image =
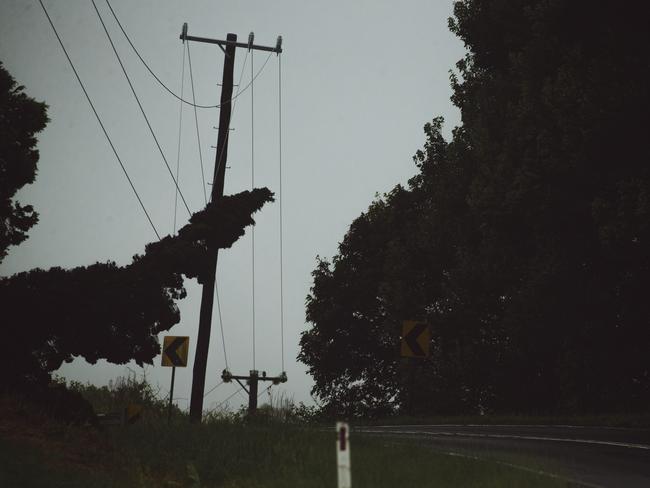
<point x="360" y="78"/>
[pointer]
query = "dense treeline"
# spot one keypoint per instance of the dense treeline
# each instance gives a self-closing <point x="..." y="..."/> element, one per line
<point x="524" y="241"/>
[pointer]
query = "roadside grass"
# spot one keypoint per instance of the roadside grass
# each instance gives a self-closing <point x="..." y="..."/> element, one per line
<point x="26" y="465"/>
<point x="226" y="451"/>
<point x="238" y="455"/>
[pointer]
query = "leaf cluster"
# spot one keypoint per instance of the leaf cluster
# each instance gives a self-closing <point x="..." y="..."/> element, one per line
<point x="106" y="311"/>
<point x="21" y="118"/>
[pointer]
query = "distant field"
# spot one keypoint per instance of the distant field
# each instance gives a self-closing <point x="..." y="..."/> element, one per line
<point x="230" y="455"/>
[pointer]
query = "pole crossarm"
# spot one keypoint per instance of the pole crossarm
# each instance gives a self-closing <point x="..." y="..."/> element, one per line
<point x="227" y="377"/>
<point x="252" y="381"/>
<point x="241" y="384"/>
<point x="277" y="49"/>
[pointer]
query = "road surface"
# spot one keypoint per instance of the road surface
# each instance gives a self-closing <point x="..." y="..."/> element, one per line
<point x="596" y="457"/>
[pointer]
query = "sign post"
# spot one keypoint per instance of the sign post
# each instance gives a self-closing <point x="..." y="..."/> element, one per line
<point x="175" y="351"/>
<point x="171" y="396"/>
<point x="343" y="455"/>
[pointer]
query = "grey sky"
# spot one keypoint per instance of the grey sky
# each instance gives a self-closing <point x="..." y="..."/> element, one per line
<point x="360" y="79"/>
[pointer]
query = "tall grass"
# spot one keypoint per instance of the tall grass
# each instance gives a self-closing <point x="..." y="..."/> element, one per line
<point x="269" y="450"/>
<point x="276" y="454"/>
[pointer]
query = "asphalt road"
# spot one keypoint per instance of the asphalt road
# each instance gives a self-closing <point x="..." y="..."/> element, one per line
<point x="591" y="456"/>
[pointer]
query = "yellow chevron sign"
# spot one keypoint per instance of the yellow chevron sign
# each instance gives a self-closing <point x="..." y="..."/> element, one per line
<point x="416" y="337"/>
<point x="175" y="351"/>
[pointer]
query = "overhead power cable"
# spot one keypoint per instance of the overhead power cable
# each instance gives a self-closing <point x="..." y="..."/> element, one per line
<point x="159" y="80"/>
<point x="280" y="204"/>
<point x="92" y="106"/>
<point x="223" y="336"/>
<point x="226" y="400"/>
<point x="252" y="188"/>
<point x="213" y="388"/>
<point x="265" y="390"/>
<point x="110" y="40"/>
<point x="180" y="130"/>
<point x="196" y="119"/>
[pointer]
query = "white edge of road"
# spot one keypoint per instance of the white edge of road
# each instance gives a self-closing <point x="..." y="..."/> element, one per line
<point x="496" y="436"/>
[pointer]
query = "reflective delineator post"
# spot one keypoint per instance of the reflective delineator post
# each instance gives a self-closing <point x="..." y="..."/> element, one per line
<point x="343" y="454"/>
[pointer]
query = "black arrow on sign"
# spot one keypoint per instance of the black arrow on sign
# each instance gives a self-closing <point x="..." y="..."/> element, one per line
<point x="412" y="339"/>
<point x="171" y="351"/>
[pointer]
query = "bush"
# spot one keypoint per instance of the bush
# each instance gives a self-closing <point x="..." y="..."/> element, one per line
<point x="122" y="392"/>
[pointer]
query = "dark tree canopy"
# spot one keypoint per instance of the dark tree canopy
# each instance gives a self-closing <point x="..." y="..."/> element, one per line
<point x="524" y="241"/>
<point x="101" y="311"/>
<point x="104" y="311"/>
<point x="21" y="118"/>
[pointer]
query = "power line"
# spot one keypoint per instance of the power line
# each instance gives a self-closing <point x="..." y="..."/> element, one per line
<point x="110" y="142"/>
<point x="221" y="403"/>
<point x="280" y="203"/>
<point x="110" y="40"/>
<point x="195" y="105"/>
<point x="196" y="121"/>
<point x="252" y="188"/>
<point x="147" y="66"/>
<point x="223" y="336"/>
<point x="265" y="390"/>
<point x="180" y="129"/>
<point x="213" y="388"/>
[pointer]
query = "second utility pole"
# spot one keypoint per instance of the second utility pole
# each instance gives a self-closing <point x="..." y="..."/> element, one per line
<point x="207" y="297"/>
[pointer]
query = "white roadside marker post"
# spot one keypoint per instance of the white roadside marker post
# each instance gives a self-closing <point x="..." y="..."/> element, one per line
<point x="343" y="455"/>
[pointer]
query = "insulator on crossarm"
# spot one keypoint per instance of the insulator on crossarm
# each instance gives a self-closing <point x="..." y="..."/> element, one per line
<point x="226" y="376"/>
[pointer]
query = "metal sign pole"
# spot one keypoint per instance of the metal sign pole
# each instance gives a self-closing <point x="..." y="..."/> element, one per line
<point x="171" y="396"/>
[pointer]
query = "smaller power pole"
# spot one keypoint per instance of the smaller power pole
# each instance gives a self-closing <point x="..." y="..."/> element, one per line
<point x="252" y="381"/>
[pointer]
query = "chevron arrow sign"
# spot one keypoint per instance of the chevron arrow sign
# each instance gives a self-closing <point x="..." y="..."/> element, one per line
<point x="415" y="339"/>
<point x="175" y="351"/>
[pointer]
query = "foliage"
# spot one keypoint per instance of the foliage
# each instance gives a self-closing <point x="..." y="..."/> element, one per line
<point x="122" y="392"/>
<point x="105" y="311"/>
<point x="524" y="241"/>
<point x="21" y="118"/>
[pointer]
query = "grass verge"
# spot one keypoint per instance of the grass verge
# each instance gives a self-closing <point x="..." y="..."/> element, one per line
<point x="234" y="455"/>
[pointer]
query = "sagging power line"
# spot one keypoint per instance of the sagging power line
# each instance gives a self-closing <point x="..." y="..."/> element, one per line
<point x="193" y="103"/>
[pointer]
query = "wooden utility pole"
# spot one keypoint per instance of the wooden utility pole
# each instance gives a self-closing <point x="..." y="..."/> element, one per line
<point x="207" y="297"/>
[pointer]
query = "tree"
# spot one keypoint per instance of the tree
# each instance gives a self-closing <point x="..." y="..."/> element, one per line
<point x="21" y="118"/>
<point x="102" y="310"/>
<point x="553" y="97"/>
<point x="112" y="312"/>
<point x="524" y="240"/>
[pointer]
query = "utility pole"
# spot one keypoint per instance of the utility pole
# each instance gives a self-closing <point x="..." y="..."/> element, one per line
<point x="207" y="297"/>
<point x="252" y="381"/>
